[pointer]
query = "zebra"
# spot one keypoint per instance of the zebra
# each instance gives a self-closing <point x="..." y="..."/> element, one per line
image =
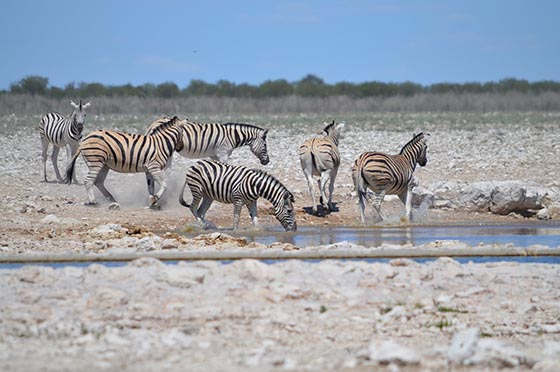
<point x="128" y="153"/>
<point x="389" y="175"/>
<point x="210" y="180"/>
<point x="61" y="132"/>
<point x="218" y="141"/>
<point x="319" y="156"/>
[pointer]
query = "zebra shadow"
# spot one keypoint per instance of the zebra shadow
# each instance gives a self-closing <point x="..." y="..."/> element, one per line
<point x="321" y="211"/>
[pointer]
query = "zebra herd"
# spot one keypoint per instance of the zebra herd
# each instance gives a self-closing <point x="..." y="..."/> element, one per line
<point x="213" y="179"/>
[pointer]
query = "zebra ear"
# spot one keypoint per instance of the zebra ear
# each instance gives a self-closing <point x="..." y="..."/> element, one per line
<point x="340" y="126"/>
<point x="86" y="105"/>
<point x="73" y="104"/>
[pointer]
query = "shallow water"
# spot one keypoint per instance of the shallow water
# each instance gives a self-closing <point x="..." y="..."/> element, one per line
<point x="522" y="235"/>
<point x="518" y="235"/>
<point x="462" y="260"/>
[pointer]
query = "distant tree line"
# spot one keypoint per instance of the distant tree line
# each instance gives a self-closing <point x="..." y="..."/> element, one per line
<point x="309" y="86"/>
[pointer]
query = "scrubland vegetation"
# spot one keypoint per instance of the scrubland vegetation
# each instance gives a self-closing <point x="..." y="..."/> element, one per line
<point x="34" y="95"/>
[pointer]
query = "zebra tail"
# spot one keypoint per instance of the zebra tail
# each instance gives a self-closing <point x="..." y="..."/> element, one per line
<point x="181" y="199"/>
<point x="70" y="169"/>
<point x="359" y="182"/>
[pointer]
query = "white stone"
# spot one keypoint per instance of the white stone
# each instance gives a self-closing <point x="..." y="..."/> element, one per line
<point x="50" y="219"/>
<point x="463" y="345"/>
<point x="388" y="351"/>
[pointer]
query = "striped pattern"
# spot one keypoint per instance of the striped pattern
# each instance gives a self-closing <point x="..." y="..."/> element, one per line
<point x="60" y="131"/>
<point x="319" y="156"/>
<point x="209" y="180"/>
<point x="389" y="174"/>
<point x="218" y="141"/>
<point x="128" y="153"/>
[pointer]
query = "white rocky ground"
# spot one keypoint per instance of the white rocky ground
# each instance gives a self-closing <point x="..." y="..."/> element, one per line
<point x="296" y="315"/>
<point x="293" y="315"/>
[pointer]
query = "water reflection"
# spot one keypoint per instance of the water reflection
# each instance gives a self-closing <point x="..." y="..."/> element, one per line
<point x="521" y="236"/>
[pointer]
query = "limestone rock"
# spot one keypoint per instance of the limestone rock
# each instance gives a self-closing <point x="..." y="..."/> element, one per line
<point x="463" y="345"/>
<point x="390" y="352"/>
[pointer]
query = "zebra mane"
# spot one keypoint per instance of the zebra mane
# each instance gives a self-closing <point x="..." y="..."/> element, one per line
<point x="418" y="138"/>
<point x="328" y="127"/>
<point x="161" y="125"/>
<point x="274" y="179"/>
<point x="243" y="125"/>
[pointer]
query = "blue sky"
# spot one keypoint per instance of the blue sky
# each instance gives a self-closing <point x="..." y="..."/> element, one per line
<point x="136" y="41"/>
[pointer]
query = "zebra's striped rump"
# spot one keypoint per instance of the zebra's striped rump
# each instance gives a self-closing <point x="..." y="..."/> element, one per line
<point x="389" y="174"/>
<point x="320" y="157"/>
<point x="209" y="180"/>
<point x="128" y="153"/>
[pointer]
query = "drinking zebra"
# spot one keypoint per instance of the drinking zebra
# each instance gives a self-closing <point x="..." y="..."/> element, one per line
<point x="389" y="175"/>
<point x="218" y="141"/>
<point x="61" y="132"/>
<point x="319" y="156"/>
<point x="209" y="180"/>
<point x="128" y="153"/>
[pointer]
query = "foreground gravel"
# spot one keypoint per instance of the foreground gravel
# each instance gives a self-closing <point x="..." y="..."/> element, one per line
<point x="291" y="315"/>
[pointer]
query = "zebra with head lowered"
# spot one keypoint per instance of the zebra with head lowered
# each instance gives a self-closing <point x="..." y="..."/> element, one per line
<point x="217" y="141"/>
<point x="61" y="132"/>
<point x="128" y="153"/>
<point x="389" y="175"/>
<point x="319" y="156"/>
<point x="209" y="180"/>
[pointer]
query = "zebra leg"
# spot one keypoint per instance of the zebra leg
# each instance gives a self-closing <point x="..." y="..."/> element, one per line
<point x="54" y="159"/>
<point x="89" y="182"/>
<point x="100" y="184"/>
<point x="406" y="198"/>
<point x="379" y="196"/>
<point x="307" y="168"/>
<point x="201" y="212"/>
<point x="158" y="176"/>
<point x="194" y="205"/>
<point x="150" y="179"/>
<point x="150" y="182"/>
<point x="252" y="207"/>
<point x="312" y="192"/>
<point x="237" y="205"/>
<point x="362" y="204"/>
<point x="331" y="188"/>
<point x="45" y="144"/>
<point x="325" y="178"/>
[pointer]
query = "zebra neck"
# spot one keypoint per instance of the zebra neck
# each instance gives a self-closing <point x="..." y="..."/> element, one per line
<point x="269" y="188"/>
<point x="241" y="136"/>
<point x="411" y="158"/>
<point x="168" y="142"/>
<point x="333" y="137"/>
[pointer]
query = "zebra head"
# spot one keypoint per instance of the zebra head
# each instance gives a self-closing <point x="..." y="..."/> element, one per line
<point x="417" y="148"/>
<point x="79" y="115"/>
<point x="285" y="213"/>
<point x="258" y="146"/>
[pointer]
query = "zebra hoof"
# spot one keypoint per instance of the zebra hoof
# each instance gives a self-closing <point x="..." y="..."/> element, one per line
<point x="114" y="206"/>
<point x="209" y="226"/>
<point x="90" y="204"/>
<point x="155" y="207"/>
